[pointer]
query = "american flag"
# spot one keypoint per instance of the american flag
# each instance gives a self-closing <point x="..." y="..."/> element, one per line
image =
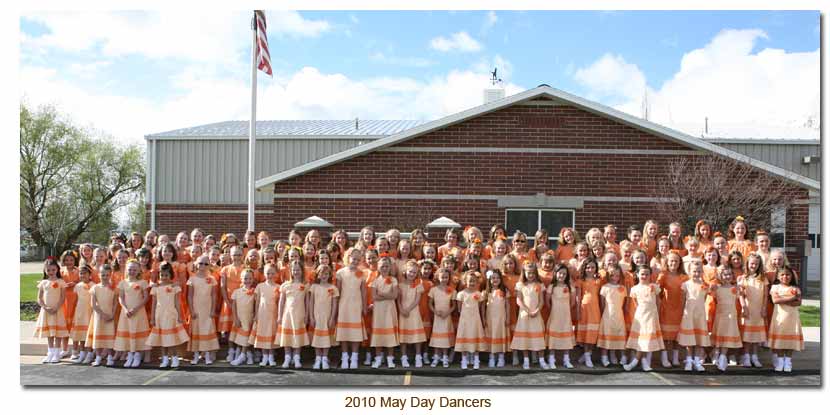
<point x="263" y="57"/>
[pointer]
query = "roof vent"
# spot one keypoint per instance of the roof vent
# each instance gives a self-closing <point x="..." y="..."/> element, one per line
<point x="541" y="85"/>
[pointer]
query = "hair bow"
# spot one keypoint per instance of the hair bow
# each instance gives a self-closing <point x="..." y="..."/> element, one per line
<point x="739" y="218"/>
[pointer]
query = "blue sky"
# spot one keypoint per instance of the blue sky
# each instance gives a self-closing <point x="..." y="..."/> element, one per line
<point x="415" y="64"/>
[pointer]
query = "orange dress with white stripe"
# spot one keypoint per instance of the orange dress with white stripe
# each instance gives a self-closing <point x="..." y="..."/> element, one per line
<point x="496" y="333"/>
<point x="671" y="304"/>
<point x="755" y="292"/>
<point x="560" y="331"/>
<point x="587" y="330"/>
<point x="443" y="334"/>
<point x="265" y="329"/>
<point x="785" y="326"/>
<point x="350" y="326"/>
<point x="291" y="331"/>
<point x="612" y="334"/>
<point x="233" y="280"/>
<point x="70" y="278"/>
<point x="166" y="331"/>
<point x="645" y="335"/>
<point x="202" y="328"/>
<point x="101" y="334"/>
<point x="132" y="332"/>
<point x="530" y="331"/>
<point x="469" y="336"/>
<point x="411" y="326"/>
<point x="83" y="312"/>
<point x="322" y="334"/>
<point x="725" y="330"/>
<point x="694" y="330"/>
<point x="384" y="315"/>
<point x="48" y="324"/>
<point x="244" y="299"/>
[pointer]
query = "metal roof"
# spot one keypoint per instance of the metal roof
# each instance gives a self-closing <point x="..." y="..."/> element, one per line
<point x="752" y="140"/>
<point x="293" y="128"/>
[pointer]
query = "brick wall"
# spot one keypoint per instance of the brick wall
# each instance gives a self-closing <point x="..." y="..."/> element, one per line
<point x="183" y="219"/>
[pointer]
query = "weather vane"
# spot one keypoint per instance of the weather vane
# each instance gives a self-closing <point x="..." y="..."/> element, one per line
<point x="495" y="80"/>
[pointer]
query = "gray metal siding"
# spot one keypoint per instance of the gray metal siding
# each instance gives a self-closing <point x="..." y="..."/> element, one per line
<point x="216" y="171"/>
<point x="787" y="156"/>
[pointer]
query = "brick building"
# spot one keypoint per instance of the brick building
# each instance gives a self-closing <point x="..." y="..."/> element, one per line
<point x="540" y="158"/>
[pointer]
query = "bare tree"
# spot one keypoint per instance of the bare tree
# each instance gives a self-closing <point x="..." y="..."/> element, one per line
<point x="718" y="189"/>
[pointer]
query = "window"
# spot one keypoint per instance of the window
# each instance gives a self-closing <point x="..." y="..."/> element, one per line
<point x="531" y="220"/>
<point x="816" y="240"/>
<point x="778" y="228"/>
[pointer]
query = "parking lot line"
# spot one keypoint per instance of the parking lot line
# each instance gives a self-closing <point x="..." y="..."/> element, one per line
<point x="662" y="378"/>
<point x="159" y="376"/>
<point x="407" y="378"/>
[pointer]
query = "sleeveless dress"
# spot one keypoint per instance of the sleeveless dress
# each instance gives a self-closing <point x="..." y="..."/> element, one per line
<point x="132" y="332"/>
<point x="612" y="334"/>
<point x="291" y="331"/>
<point x="233" y="280"/>
<point x="384" y="315"/>
<point x="755" y="293"/>
<point x="322" y="334"/>
<point x="83" y="312"/>
<point x="244" y="299"/>
<point x="560" y="325"/>
<point x="411" y="328"/>
<point x="443" y="334"/>
<point x="101" y="334"/>
<point x="166" y="331"/>
<point x="203" y="329"/>
<point x="645" y="335"/>
<point x="265" y="330"/>
<point x="496" y="334"/>
<point x="671" y="304"/>
<point x="52" y="325"/>
<point x="785" y="326"/>
<point x="725" y="331"/>
<point x="470" y="334"/>
<point x="694" y="329"/>
<point x="350" y="326"/>
<point x="530" y="333"/>
<point x="587" y="330"/>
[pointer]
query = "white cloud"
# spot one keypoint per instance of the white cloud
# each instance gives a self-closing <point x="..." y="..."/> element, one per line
<point x="460" y="41"/>
<point x="88" y="70"/>
<point x="486" y="65"/>
<point x="771" y="93"/>
<point x="490" y="20"/>
<point x="417" y="62"/>
<point x="290" y="23"/>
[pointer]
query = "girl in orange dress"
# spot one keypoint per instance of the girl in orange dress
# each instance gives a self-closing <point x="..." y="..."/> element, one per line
<point x="168" y="327"/>
<point x="133" y="326"/>
<point x="385" y="313"/>
<point x="51" y="321"/>
<point x="201" y="298"/>
<point x="671" y="306"/>
<point x="520" y="248"/>
<point x="322" y="303"/>
<point x="341" y="238"/>
<point x="404" y="255"/>
<point x="588" y="312"/>
<point x="540" y="246"/>
<point x="100" y="336"/>
<point x="442" y="306"/>
<point x="180" y="276"/>
<point x="250" y="242"/>
<point x="426" y="277"/>
<point x="264" y="325"/>
<point x="609" y="233"/>
<point x="394" y="237"/>
<point x="83" y="313"/>
<point x="530" y="330"/>
<point x="694" y="332"/>
<point x="242" y="308"/>
<point x="230" y="280"/>
<point x="635" y="236"/>
<point x="252" y="261"/>
<point x="86" y="254"/>
<point x="649" y="241"/>
<point x="411" y="326"/>
<point x="612" y="332"/>
<point x="719" y="243"/>
<point x="451" y="246"/>
<point x="370" y="273"/>
<point x="335" y="256"/>
<point x="693" y="249"/>
<point x="737" y="234"/>
<point x="497" y="233"/>
<point x="645" y="336"/>
<point x="431" y="252"/>
<point x="565" y="249"/>
<point x="510" y="272"/>
<point x="785" y="327"/>
<point x="735" y="260"/>
<point x="560" y="331"/>
<point x="351" y="330"/>
<point x="69" y="274"/>
<point x="725" y="331"/>
<point x="292" y="317"/>
<point x="469" y="339"/>
<point x="546" y="265"/>
<point x="100" y="258"/>
<point x="676" y="239"/>
<point x="753" y="289"/>
<point x="292" y="254"/>
<point x="418" y="239"/>
<point x="658" y="259"/>
<point x="497" y="254"/>
<point x="309" y="262"/>
<point x="762" y="244"/>
<point x="703" y="233"/>
<point x="496" y="323"/>
<point x="182" y="243"/>
<point x="583" y="253"/>
<point x="145" y="261"/>
<point x="711" y="262"/>
<point x="626" y="249"/>
<point x="597" y="250"/>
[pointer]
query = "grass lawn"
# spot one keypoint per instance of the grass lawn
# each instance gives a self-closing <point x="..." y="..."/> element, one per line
<point x="809" y="316"/>
<point x="28" y="286"/>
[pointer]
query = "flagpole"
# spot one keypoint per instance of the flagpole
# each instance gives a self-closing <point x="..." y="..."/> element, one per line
<point x="252" y="128"/>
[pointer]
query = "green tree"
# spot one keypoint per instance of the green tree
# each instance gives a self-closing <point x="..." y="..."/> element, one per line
<point x="70" y="182"/>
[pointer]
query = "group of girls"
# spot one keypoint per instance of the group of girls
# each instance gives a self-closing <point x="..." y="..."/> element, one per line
<point x="713" y="296"/>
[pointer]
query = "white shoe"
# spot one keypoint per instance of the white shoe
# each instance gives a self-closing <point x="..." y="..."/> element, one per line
<point x="175" y="361"/>
<point x="733" y="360"/>
<point x="318" y="360"/>
<point x="368" y="360"/>
<point x="110" y="360"/>
<point x="613" y="357"/>
<point x="56" y="356"/>
<point x="419" y="361"/>
<point x="238" y="360"/>
<point x="500" y="361"/>
<point x="390" y="362"/>
<point x="605" y="361"/>
<point x="64" y="354"/>
<point x="526" y="363"/>
<point x="623" y="359"/>
<point x="566" y="360"/>
<point x="249" y="358"/>
<point x="209" y="356"/>
<point x="435" y="360"/>
<point x="344" y="360"/>
<point x="136" y="359"/>
<point x="476" y="363"/>
<point x="286" y="363"/>
<point x="464" y="362"/>
<point x="377" y="362"/>
<point x="264" y="361"/>
<point x="552" y="361"/>
<point x="745" y="360"/>
<point x="491" y="362"/>
<point x="353" y="361"/>
<point x="77" y="359"/>
<point x="675" y="357"/>
<point x="755" y="361"/>
<point x="165" y="361"/>
<point x="405" y="360"/>
<point x="788" y="364"/>
<point x="646" y="364"/>
<point x="630" y="365"/>
<point x="779" y="364"/>
<point x="129" y="362"/>
<point x="698" y="364"/>
<point x="297" y="363"/>
<point x="588" y="361"/>
<point x="543" y="364"/>
<point x="688" y="366"/>
<point x="231" y="355"/>
<point x="196" y="357"/>
<point x="722" y="363"/>
<point x="325" y="363"/>
<point x="664" y="359"/>
<point x="715" y="357"/>
<point x="445" y="361"/>
<point x="89" y="357"/>
<point x="97" y="361"/>
<point x="48" y="357"/>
